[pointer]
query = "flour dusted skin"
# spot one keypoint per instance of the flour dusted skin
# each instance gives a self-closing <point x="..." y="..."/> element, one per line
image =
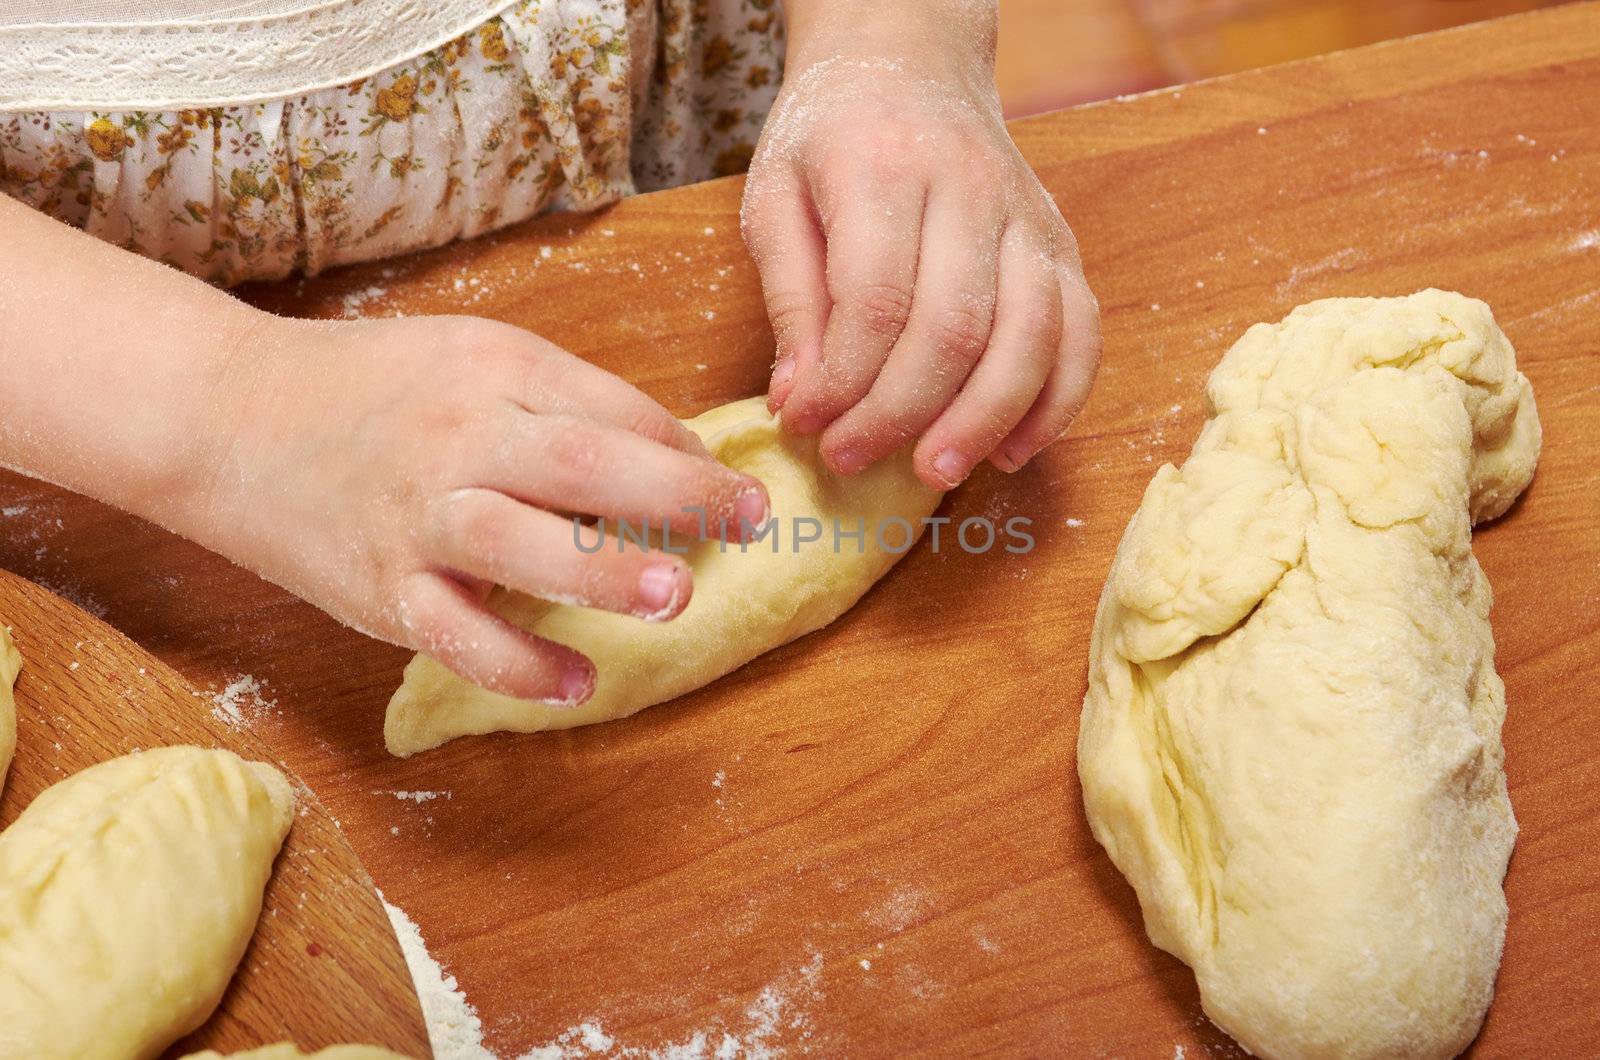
<point x="1291" y="740"/>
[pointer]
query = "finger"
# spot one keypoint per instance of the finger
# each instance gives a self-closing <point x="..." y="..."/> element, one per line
<point x="484" y="534"/>
<point x="553" y="380"/>
<point x="1070" y="378"/>
<point x="784" y="235"/>
<point x="442" y="618"/>
<point x="952" y="316"/>
<point x="578" y="465"/>
<point x="1022" y="350"/>
<point x="874" y="235"/>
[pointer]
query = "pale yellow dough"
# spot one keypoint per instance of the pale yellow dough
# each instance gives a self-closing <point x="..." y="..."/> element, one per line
<point x="1291" y="739"/>
<point x="289" y="1051"/>
<point x="127" y="895"/>
<point x="10" y="666"/>
<point x="744" y="604"/>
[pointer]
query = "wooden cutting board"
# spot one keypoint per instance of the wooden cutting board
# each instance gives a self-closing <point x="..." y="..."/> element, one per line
<point x="871" y="842"/>
<point x="324" y="966"/>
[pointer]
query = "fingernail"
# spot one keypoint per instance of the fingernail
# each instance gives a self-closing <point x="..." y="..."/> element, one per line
<point x="847" y="461"/>
<point x="805" y="424"/>
<point x="658" y="590"/>
<point x="778" y="389"/>
<point x="751" y="507"/>
<point x="1005" y="461"/>
<point x="577" y="684"/>
<point x="951" y="466"/>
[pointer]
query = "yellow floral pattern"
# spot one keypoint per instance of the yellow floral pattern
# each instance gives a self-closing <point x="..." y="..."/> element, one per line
<point x="548" y="106"/>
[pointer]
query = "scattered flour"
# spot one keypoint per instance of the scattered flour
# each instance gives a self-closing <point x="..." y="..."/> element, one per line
<point x="454" y="1030"/>
<point x="902" y="909"/>
<point x="1584" y="241"/>
<point x="354" y="301"/>
<point x="781" y="1005"/>
<point x="456" y="1033"/>
<point x="243" y="695"/>
<point x="14" y="510"/>
<point x="1339" y="260"/>
<point x="418" y="797"/>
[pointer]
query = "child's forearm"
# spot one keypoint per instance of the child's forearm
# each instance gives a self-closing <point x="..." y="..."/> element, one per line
<point x="111" y="368"/>
<point x="958" y="29"/>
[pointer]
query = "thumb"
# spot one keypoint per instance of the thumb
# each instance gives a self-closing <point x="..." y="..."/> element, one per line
<point x="781" y="228"/>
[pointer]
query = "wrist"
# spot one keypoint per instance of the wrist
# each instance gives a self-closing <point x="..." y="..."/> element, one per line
<point x="202" y="487"/>
<point x="949" y="37"/>
<point x="179" y="462"/>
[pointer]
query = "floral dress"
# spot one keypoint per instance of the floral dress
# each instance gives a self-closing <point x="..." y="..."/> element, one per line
<point x="550" y="105"/>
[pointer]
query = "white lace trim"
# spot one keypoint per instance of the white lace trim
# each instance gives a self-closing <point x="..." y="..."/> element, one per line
<point x="209" y="62"/>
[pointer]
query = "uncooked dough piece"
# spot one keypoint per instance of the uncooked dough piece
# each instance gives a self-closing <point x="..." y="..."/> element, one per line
<point x="127" y="895"/>
<point x="10" y="666"/>
<point x="744" y="603"/>
<point x="289" y="1051"/>
<point x="1291" y="740"/>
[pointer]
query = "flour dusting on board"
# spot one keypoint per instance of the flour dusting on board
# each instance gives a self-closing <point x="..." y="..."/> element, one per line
<point x="355" y="302"/>
<point x="455" y="1032"/>
<point x="418" y="797"/>
<point x="782" y="1006"/>
<point x="241" y="701"/>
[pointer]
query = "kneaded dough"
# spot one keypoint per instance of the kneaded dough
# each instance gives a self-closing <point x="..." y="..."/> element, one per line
<point x="128" y="893"/>
<point x="1291" y="739"/>
<point x="10" y="666"/>
<point x="744" y="603"/>
<point x="290" y="1051"/>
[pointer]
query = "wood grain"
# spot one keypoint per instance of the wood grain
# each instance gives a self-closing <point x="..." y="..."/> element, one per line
<point x="870" y="843"/>
<point x="88" y="694"/>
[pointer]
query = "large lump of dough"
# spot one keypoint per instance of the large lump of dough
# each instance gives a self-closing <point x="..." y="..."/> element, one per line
<point x="10" y="666"/>
<point x="1291" y="739"/>
<point x="745" y="602"/>
<point x="128" y="893"/>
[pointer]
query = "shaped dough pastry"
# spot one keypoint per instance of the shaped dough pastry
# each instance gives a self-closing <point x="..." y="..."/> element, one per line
<point x="289" y="1051"/>
<point x="744" y="603"/>
<point x="1291" y="739"/>
<point x="10" y="666"/>
<point x="128" y="893"/>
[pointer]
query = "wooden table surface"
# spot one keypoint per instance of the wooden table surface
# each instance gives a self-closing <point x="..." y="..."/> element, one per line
<point x="870" y="842"/>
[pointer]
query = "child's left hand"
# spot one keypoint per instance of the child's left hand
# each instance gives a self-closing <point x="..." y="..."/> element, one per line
<point x="921" y="282"/>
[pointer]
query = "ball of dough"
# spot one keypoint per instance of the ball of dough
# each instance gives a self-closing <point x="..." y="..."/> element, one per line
<point x="1291" y="740"/>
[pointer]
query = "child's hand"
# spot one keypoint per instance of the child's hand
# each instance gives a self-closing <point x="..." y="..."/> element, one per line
<point x="920" y="280"/>
<point x="390" y="471"/>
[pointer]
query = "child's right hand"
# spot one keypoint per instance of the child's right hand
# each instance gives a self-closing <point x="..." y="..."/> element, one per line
<point x="391" y="471"/>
